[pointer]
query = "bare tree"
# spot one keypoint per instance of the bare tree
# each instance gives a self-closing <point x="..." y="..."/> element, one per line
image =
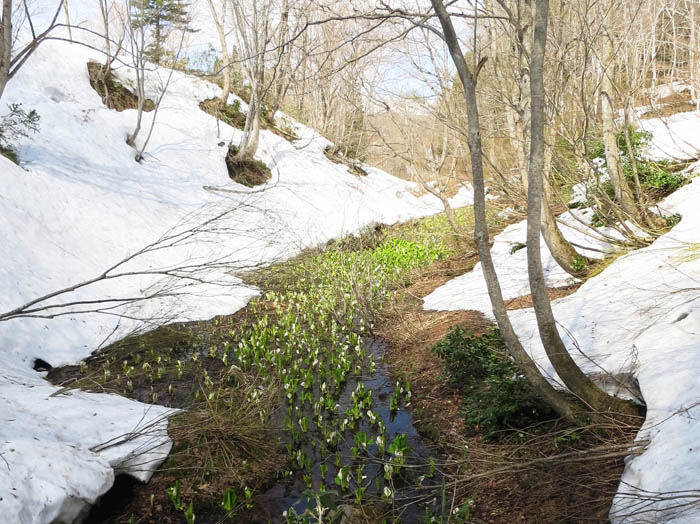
<point x="563" y="363"/>
<point x="252" y="21"/>
<point x="219" y="18"/>
<point x="138" y="44"/>
<point x="11" y="58"/>
<point x="468" y="77"/>
<point x="137" y="40"/>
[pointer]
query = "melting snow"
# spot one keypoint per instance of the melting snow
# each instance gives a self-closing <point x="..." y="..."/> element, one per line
<point x="80" y="204"/>
<point x="642" y="316"/>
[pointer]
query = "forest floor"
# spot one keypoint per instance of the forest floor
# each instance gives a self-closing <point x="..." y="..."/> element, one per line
<point x="550" y="473"/>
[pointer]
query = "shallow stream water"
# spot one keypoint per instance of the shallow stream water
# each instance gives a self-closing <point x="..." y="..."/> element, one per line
<point x="415" y="485"/>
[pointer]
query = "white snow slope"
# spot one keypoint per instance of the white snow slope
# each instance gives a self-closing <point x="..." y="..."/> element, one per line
<point x="642" y="316"/>
<point x="80" y="204"/>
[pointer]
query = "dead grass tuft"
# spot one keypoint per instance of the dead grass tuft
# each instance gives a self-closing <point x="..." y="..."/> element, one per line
<point x="249" y="173"/>
<point x="355" y="166"/>
<point x="227" y="436"/>
<point x="113" y="93"/>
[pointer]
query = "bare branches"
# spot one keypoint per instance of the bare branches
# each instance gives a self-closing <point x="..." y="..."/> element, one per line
<point x="11" y="62"/>
<point x="183" y="278"/>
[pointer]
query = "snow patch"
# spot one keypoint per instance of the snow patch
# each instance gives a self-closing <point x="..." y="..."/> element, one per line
<point x="80" y="203"/>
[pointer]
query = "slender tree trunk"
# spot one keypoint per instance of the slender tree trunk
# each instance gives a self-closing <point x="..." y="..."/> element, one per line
<point x="226" y="70"/>
<point x="282" y="58"/>
<point x="158" y="44"/>
<point x="5" y="44"/>
<point x="138" y="43"/>
<point x="623" y="193"/>
<point x="562" y="251"/>
<point x="654" y="69"/>
<point x="251" y="131"/>
<point x="68" y="26"/>
<point x="559" y="402"/>
<point x="693" y="57"/>
<point x="572" y="376"/>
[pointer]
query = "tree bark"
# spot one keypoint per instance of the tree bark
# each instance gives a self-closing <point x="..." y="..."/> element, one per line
<point x="559" y="402"/>
<point x="226" y="69"/>
<point x="67" y="15"/>
<point x="282" y="66"/>
<point x="623" y="193"/>
<point x="565" y="366"/>
<point x="5" y="44"/>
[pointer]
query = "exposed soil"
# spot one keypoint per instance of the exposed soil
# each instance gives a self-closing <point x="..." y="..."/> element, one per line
<point x="525" y="477"/>
<point x="525" y="301"/>
<point x="249" y="173"/>
<point x="232" y="115"/>
<point x="355" y="166"/>
<point x="671" y="105"/>
<point x="113" y="93"/>
<point x="229" y="114"/>
<point x="499" y="478"/>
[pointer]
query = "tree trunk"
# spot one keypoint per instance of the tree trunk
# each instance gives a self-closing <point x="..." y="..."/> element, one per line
<point x="282" y="65"/>
<point x="68" y="26"/>
<point x="692" y="50"/>
<point x="138" y="52"/>
<point x="251" y="130"/>
<point x="562" y="251"/>
<point x="559" y="402"/>
<point x="623" y="193"/>
<point x="5" y="44"/>
<point x="158" y="41"/>
<point x="226" y="69"/>
<point x="572" y="376"/>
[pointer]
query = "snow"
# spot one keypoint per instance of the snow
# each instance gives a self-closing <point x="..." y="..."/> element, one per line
<point x="510" y="258"/>
<point x="80" y="204"/>
<point x="640" y="316"/>
<point x="675" y="137"/>
<point x="463" y="197"/>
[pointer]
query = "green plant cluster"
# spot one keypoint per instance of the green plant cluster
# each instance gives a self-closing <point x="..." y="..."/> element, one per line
<point x="435" y="230"/>
<point x="230" y="114"/>
<point x="658" y="177"/>
<point x="308" y="336"/>
<point x="496" y="396"/>
<point x="298" y="360"/>
<point x="17" y="122"/>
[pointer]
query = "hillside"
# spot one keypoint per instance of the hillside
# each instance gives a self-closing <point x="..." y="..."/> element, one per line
<point x="263" y="327"/>
<point x="79" y="204"/>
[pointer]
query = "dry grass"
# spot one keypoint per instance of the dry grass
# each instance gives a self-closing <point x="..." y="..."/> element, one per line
<point x="552" y="474"/>
<point x="114" y="95"/>
<point x="223" y="438"/>
<point x="671" y="105"/>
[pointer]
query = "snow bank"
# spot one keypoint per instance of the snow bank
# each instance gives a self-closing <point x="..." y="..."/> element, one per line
<point x="675" y="137"/>
<point x="640" y="316"/>
<point x="80" y="204"/>
<point x="510" y="258"/>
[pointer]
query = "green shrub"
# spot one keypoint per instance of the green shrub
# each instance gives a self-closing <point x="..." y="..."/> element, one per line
<point x="658" y="177"/>
<point x="496" y="396"/>
<point x="17" y="122"/>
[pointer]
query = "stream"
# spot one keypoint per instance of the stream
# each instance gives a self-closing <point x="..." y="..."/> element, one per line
<point x="414" y="484"/>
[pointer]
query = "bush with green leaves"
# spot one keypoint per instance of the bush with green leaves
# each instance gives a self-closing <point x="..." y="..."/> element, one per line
<point x="496" y="396"/>
<point x="659" y="176"/>
<point x="17" y="122"/>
